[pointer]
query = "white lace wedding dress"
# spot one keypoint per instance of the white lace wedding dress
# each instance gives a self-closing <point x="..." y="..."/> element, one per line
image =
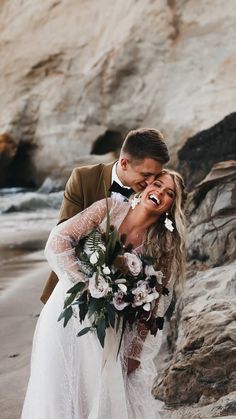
<point x="73" y="377"/>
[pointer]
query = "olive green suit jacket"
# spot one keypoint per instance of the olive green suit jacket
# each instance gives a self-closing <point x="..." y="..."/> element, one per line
<point x="84" y="187"/>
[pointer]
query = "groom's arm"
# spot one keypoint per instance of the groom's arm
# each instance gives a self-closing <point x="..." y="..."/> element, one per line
<point x="73" y="199"/>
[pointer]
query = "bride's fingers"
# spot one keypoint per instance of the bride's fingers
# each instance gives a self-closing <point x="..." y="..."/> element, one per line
<point x="132" y="365"/>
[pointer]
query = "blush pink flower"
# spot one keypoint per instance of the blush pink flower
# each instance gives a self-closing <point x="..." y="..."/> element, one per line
<point x="140" y="293"/>
<point x="118" y="301"/>
<point x="98" y="288"/>
<point x="133" y="263"/>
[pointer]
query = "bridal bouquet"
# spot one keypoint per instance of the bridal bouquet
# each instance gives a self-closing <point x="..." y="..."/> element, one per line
<point x="121" y="287"/>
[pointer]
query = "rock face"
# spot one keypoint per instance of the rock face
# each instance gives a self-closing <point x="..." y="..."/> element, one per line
<point x="211" y="239"/>
<point x="202" y="331"/>
<point x="225" y="407"/>
<point x="204" y="363"/>
<point x="71" y="72"/>
<point x="201" y="151"/>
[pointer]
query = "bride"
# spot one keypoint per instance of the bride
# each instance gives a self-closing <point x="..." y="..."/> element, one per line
<point x="74" y="377"/>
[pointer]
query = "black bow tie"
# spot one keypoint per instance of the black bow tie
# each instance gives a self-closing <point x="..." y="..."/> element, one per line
<point x="115" y="187"/>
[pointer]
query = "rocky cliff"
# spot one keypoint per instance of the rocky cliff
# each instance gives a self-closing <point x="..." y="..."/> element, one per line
<point x="201" y="368"/>
<point x="76" y="75"/>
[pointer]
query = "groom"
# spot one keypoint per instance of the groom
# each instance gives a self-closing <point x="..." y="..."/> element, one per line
<point x="142" y="157"/>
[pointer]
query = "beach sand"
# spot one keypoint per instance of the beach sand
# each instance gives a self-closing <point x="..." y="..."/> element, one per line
<point x="23" y="272"/>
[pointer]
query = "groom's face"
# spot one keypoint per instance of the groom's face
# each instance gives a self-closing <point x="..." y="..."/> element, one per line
<point x="140" y="173"/>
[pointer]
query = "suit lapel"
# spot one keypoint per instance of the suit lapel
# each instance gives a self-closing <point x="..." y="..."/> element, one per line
<point x="105" y="177"/>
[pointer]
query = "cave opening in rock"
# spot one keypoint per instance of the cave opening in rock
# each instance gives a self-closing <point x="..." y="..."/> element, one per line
<point x="109" y="142"/>
<point x="21" y="170"/>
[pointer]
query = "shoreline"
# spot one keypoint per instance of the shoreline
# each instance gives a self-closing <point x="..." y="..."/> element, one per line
<point x="23" y="273"/>
<point x="19" y="310"/>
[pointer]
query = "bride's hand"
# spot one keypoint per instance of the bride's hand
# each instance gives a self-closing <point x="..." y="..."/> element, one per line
<point x="132" y="365"/>
<point x="136" y="348"/>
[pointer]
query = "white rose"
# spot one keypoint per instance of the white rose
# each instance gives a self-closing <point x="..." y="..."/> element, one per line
<point x="98" y="288"/>
<point x="133" y="263"/>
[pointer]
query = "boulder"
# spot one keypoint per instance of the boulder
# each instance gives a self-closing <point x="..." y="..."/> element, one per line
<point x="202" y="369"/>
<point x="206" y="148"/>
<point x="211" y="238"/>
<point x="225" y="407"/>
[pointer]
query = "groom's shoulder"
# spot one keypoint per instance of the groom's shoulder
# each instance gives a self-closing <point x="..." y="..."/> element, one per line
<point x="91" y="170"/>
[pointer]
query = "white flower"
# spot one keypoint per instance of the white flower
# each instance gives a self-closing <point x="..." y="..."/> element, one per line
<point x="152" y="296"/>
<point x="94" y="258"/>
<point x="87" y="249"/>
<point x="123" y="288"/>
<point x="102" y="247"/>
<point x="118" y="301"/>
<point x="150" y="271"/>
<point x="106" y="270"/>
<point x="133" y="262"/>
<point x="120" y="281"/>
<point x="147" y="307"/>
<point x="98" y="288"/>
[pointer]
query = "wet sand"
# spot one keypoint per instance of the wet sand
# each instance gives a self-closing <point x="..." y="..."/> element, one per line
<point x="23" y="272"/>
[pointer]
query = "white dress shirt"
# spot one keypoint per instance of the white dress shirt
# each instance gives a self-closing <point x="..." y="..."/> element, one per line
<point x="115" y="178"/>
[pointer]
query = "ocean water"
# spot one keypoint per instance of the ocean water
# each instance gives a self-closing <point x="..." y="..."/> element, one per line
<point x="26" y="219"/>
<point x="23" y="200"/>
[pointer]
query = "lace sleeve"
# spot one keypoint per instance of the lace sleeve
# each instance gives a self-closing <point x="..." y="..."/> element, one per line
<point x="60" y="247"/>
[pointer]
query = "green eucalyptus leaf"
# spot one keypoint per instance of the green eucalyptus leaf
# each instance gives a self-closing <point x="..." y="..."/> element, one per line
<point x="69" y="300"/>
<point x="67" y="314"/>
<point x="111" y="315"/>
<point x="118" y="319"/>
<point x="95" y="304"/>
<point x="62" y="315"/>
<point x="84" y="331"/>
<point x="76" y="288"/>
<point x="124" y="320"/>
<point x="101" y="330"/>
<point x="107" y="215"/>
<point x="83" y="310"/>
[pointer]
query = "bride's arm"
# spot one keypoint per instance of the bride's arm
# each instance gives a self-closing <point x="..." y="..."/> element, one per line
<point x="137" y="341"/>
<point x="60" y="247"/>
<point x="136" y="346"/>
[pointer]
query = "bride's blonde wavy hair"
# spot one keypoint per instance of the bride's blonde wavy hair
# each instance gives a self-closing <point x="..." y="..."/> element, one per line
<point x="168" y="248"/>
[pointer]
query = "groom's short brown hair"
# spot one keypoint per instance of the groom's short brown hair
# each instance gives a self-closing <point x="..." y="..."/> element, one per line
<point x="146" y="143"/>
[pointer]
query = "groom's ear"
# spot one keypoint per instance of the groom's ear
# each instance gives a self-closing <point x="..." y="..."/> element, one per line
<point x="124" y="163"/>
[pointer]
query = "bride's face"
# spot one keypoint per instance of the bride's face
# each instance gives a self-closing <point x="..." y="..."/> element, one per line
<point x="160" y="195"/>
